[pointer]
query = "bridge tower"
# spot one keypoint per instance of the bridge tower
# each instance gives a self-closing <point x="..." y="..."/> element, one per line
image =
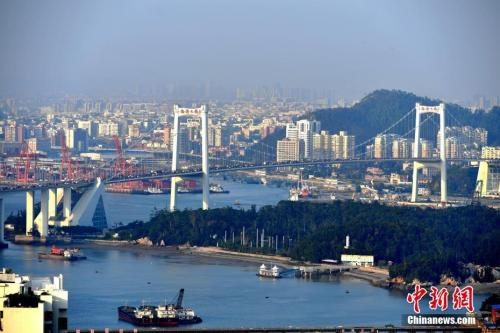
<point x="419" y="164"/>
<point x="201" y="112"/>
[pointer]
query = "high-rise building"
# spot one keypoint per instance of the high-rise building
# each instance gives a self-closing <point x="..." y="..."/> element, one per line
<point x="306" y="129"/>
<point x="77" y="139"/>
<point x="400" y="148"/>
<point x="167" y="136"/>
<point x="322" y="146"/>
<point x="289" y="150"/>
<point x="453" y="148"/>
<point x="343" y="145"/>
<point x="10" y="133"/>
<point x="425" y="148"/>
<point x="292" y="131"/>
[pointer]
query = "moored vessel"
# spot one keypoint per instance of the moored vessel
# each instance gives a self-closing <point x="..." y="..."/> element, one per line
<point x="271" y="272"/>
<point x="58" y="253"/>
<point x="160" y="316"/>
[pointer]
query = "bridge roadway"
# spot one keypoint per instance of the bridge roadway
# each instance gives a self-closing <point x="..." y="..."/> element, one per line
<point x="8" y="187"/>
<point x="338" y="329"/>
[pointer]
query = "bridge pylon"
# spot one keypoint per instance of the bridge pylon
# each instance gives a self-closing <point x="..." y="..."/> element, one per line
<point x="201" y="112"/>
<point x="421" y="109"/>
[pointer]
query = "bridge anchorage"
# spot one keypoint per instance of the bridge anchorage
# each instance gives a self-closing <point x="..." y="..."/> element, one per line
<point x="418" y="162"/>
<point x="201" y="112"/>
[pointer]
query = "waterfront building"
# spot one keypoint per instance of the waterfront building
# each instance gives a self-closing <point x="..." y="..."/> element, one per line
<point x="32" y="305"/>
<point x="357" y="260"/>
<point x="289" y="150"/>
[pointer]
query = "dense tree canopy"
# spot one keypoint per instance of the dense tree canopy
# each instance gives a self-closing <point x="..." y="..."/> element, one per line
<point x="422" y="243"/>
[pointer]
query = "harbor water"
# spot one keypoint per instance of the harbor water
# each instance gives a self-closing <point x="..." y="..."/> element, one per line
<point x="225" y="293"/>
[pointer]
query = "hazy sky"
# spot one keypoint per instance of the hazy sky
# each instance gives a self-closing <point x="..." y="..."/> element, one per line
<point x="439" y="48"/>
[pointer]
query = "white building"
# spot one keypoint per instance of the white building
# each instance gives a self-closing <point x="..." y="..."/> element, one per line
<point x="357" y="260"/>
<point x="306" y="129"/>
<point x="32" y="305"/>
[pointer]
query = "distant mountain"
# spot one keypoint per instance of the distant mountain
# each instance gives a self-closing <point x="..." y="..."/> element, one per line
<point x="380" y="109"/>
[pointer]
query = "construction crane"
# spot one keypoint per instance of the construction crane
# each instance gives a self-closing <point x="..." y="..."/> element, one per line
<point x="120" y="166"/>
<point x="65" y="158"/>
<point x="24" y="164"/>
<point x="178" y="304"/>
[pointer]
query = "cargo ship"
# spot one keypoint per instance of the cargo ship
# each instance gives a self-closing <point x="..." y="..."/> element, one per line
<point x="159" y="316"/>
<point x="58" y="253"/>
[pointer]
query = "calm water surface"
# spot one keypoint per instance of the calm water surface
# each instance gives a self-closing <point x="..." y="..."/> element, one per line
<point x="224" y="293"/>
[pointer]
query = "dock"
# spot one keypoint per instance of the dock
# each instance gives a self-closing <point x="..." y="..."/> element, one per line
<point x="312" y="271"/>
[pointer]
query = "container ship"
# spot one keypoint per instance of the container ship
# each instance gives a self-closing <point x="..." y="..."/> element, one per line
<point x="159" y="316"/>
<point x="58" y="253"/>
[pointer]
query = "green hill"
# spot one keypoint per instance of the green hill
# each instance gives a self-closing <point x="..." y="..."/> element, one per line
<point x="380" y="109"/>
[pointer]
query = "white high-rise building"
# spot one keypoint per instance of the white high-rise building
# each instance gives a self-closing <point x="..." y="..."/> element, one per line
<point x="306" y="129"/>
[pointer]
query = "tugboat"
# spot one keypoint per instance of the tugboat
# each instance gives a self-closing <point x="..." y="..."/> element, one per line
<point x="160" y="316"/>
<point x="58" y="253"/>
<point x="273" y="272"/>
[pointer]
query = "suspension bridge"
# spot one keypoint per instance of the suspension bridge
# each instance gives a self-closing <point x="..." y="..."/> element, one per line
<point x="55" y="179"/>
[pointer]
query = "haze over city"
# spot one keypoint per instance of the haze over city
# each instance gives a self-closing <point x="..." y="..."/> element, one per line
<point x="348" y="47"/>
<point x="249" y="166"/>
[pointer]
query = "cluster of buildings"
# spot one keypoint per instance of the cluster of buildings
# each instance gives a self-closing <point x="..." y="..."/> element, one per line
<point x="305" y="140"/>
<point x="88" y="126"/>
<point x="460" y="142"/>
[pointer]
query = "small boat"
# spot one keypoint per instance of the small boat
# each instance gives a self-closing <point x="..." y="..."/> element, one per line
<point x="58" y="253"/>
<point x="237" y="203"/>
<point x="273" y="272"/>
<point x="217" y="189"/>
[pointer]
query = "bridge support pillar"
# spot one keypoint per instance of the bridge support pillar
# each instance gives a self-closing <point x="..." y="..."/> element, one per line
<point x="204" y="154"/>
<point x="30" y="211"/>
<point x="3" y="245"/>
<point x="66" y="203"/>
<point x="173" y="192"/>
<point x="43" y="225"/>
<point x="52" y="205"/>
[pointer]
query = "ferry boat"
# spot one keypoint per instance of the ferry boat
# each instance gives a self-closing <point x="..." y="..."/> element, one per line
<point x="160" y="316"/>
<point x="58" y="253"/>
<point x="273" y="272"/>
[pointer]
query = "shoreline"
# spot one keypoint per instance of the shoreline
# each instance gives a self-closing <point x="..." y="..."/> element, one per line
<point x="377" y="277"/>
